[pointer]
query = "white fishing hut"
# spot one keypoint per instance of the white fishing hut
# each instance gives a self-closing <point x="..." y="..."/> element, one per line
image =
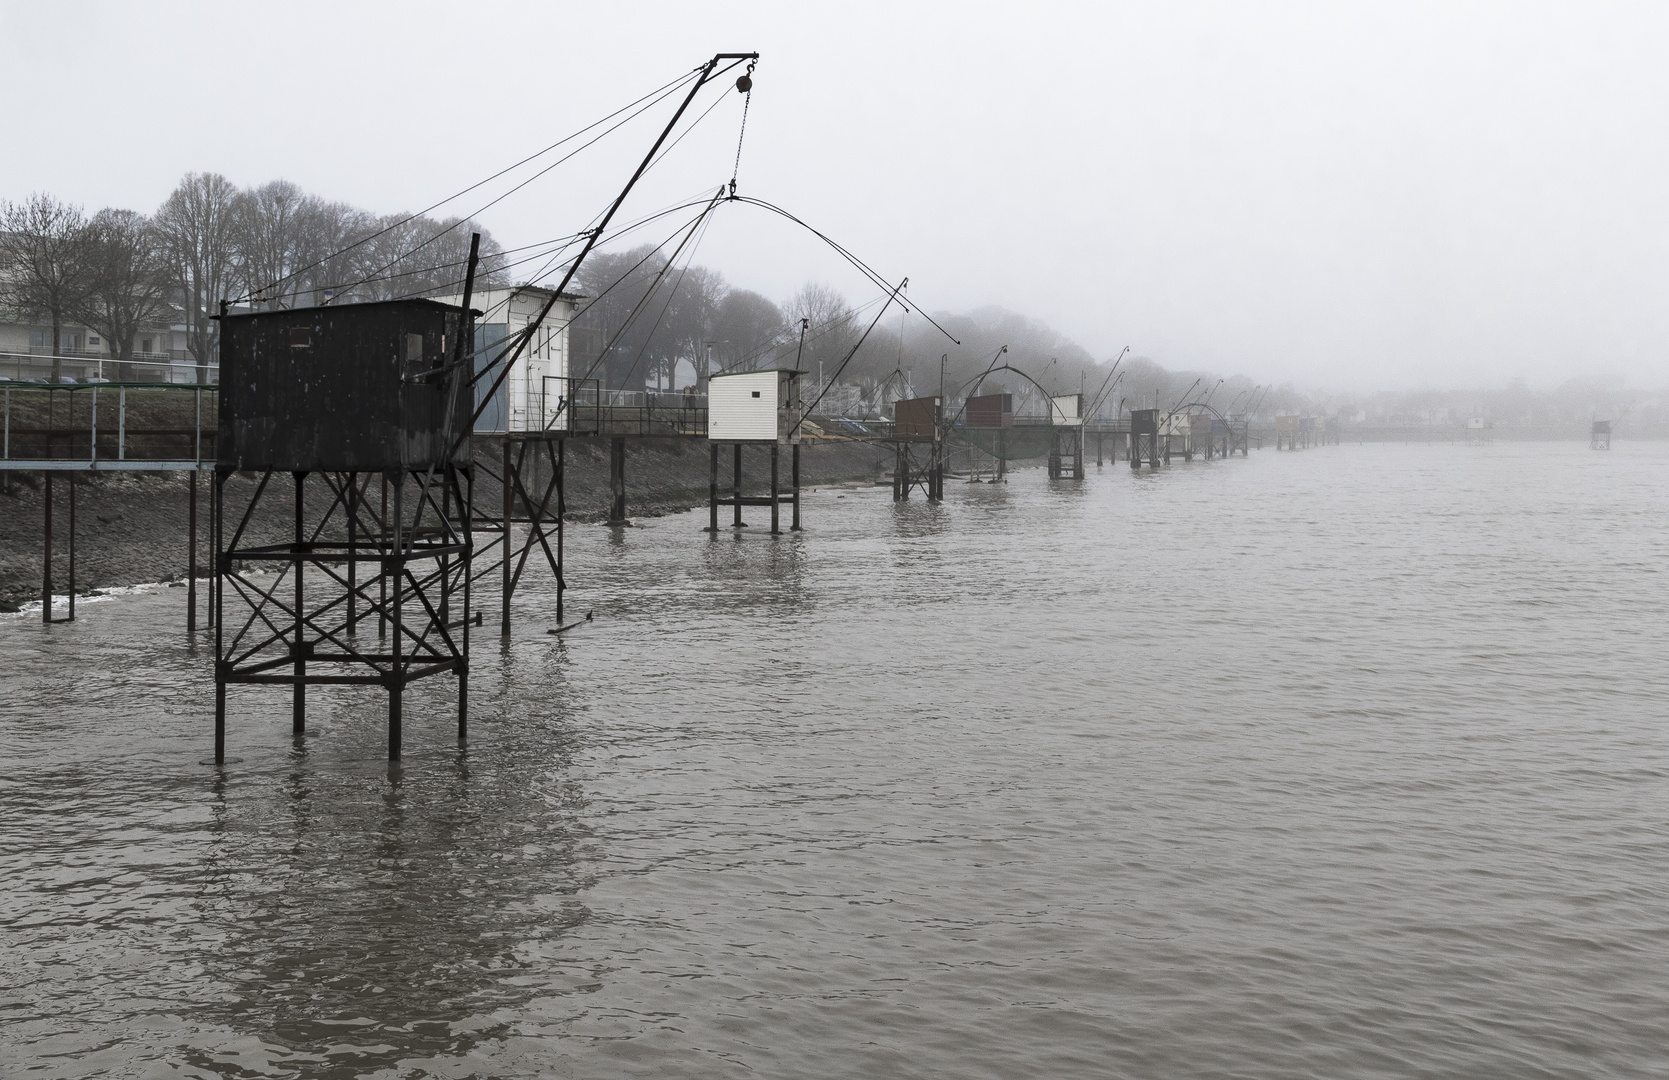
<point x="535" y="396"/>
<point x="754" y="407"/>
<point x="759" y="408"/>
<point x="1067" y="410"/>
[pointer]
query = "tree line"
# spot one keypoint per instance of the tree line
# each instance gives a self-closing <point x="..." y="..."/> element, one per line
<point x="119" y="272"/>
<point x="643" y="323"/>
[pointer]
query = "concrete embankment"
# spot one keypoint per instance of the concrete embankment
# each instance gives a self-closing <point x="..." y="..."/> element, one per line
<point x="131" y="527"/>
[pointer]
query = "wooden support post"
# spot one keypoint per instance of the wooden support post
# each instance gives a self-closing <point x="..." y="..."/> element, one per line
<point x="298" y="646"/>
<point x="444" y="563"/>
<point x="775" y="531"/>
<point x="73" y="486"/>
<point x="382" y="565"/>
<point x="795" y="466"/>
<point x="395" y="564"/>
<point x="353" y="552"/>
<point x="736" y="490"/>
<point x="504" y="590"/>
<point x="713" y="489"/>
<point x="191" y="558"/>
<point x="617" y="481"/>
<point x="216" y="509"/>
<point x="467" y="506"/>
<point x="46" y="563"/>
<point x="215" y="537"/>
<point x="561" y="518"/>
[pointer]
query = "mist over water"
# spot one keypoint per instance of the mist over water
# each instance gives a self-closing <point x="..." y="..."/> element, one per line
<point x="1348" y="762"/>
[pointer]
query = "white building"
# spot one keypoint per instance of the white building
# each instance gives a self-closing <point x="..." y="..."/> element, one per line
<point x="539" y="388"/>
<point x="26" y="352"/>
<point x="754" y="406"/>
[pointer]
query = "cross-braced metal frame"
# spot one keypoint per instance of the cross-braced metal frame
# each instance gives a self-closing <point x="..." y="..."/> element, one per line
<point x="918" y="463"/>
<point x="416" y="536"/>
<point x="1149" y="447"/>
<point x="1066" y="453"/>
<point x="530" y="495"/>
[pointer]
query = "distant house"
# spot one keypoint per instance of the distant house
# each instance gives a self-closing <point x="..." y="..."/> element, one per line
<point x="26" y="352"/>
<point x="840" y="399"/>
<point x="535" y="394"/>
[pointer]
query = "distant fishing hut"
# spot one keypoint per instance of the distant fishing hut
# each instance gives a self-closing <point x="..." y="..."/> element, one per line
<point x="1144" y="438"/>
<point x="1288" y="430"/>
<point x="918" y="447"/>
<point x="1066" y="445"/>
<point x="985" y="424"/>
<point x="754" y="408"/>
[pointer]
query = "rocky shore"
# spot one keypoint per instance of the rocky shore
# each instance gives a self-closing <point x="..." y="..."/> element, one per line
<point x="131" y="528"/>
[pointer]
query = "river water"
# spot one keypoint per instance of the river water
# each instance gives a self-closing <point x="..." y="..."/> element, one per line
<point x="1350" y="762"/>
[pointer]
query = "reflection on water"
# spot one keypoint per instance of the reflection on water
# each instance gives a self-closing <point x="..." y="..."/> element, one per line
<point x="1347" y="763"/>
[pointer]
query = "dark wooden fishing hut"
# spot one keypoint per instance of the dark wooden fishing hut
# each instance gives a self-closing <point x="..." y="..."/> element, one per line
<point x="918" y="447"/>
<point x="1145" y="439"/>
<point x="366" y="410"/>
<point x="986" y="419"/>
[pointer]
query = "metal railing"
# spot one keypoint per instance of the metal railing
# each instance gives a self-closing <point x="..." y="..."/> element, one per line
<point x="594" y="409"/>
<point x="124" y="426"/>
<point x="81" y="367"/>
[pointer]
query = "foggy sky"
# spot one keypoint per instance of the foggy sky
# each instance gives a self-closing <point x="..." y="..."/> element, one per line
<point x="1352" y="196"/>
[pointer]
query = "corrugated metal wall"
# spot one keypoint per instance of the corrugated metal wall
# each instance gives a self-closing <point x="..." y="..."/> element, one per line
<point x="990" y="410"/>
<point x="916" y="417"/>
<point x="1066" y="410"/>
<point x="357" y="387"/>
<point x="743" y="407"/>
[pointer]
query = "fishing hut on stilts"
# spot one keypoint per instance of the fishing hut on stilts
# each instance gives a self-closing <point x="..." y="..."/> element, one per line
<point x="985" y="426"/>
<point x="366" y="406"/>
<point x="759" y="409"/>
<point x="1066" y="442"/>
<point x="918" y="447"/>
<point x="521" y="429"/>
<point x="1146" y="440"/>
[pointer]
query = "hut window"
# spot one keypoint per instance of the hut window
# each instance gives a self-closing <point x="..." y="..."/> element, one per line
<point x="301" y="337"/>
<point x="414" y="359"/>
<point x="756" y="393"/>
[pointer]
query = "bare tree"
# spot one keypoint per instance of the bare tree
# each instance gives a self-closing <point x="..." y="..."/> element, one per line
<point x="44" y="263"/>
<point x="746" y="328"/>
<point x="612" y="329"/>
<point x="333" y="233"/>
<point x="832" y="329"/>
<point x="424" y="257"/>
<point x="195" y="228"/>
<point x="128" y="282"/>
<point x="273" y="246"/>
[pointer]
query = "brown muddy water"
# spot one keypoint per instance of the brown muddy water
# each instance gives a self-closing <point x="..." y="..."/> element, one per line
<point x="1352" y="762"/>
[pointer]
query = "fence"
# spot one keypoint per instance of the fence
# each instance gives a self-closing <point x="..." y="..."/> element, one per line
<point x="130" y="426"/>
<point x="149" y="368"/>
